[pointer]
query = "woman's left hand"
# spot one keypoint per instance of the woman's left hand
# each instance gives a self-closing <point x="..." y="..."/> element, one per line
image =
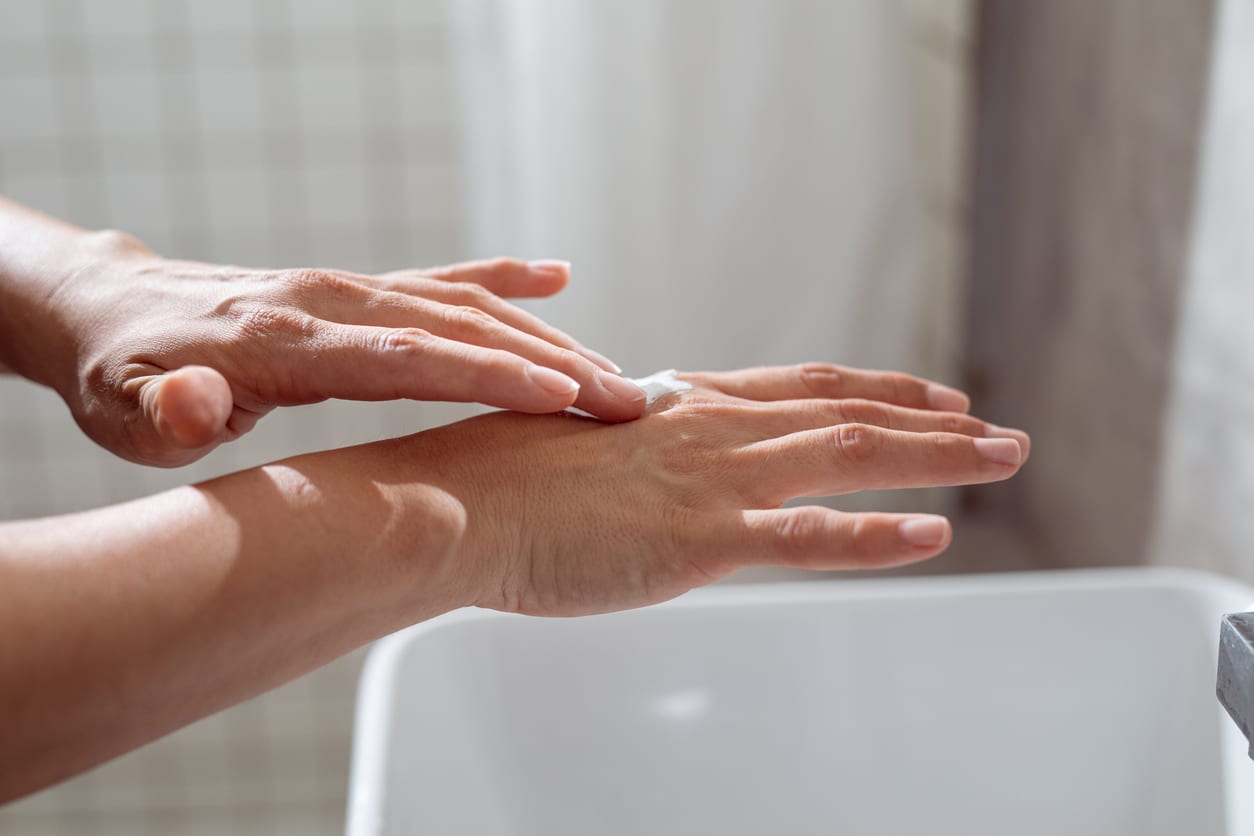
<point x="161" y="361"/>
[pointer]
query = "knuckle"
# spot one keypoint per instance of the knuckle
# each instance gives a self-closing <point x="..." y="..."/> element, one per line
<point x="803" y="528"/>
<point x="955" y="424"/>
<point x="104" y="386"/>
<point x="401" y="340"/>
<point x="471" y="294"/>
<point x="856" y="443"/>
<point x="698" y="474"/>
<point x="465" y="319"/>
<point x="946" y="446"/>
<point x="98" y="373"/>
<point x="823" y="380"/>
<point x="700" y="407"/>
<point x="864" y="412"/>
<point x="903" y="388"/>
<point x="686" y="455"/>
<point x="303" y="283"/>
<point x="115" y="241"/>
<point x="301" y="280"/>
<point x="859" y="532"/>
<point x="266" y="323"/>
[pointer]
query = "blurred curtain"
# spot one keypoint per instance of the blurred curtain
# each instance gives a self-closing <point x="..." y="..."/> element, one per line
<point x="734" y="180"/>
<point x="1086" y="244"/>
<point x="1205" y="511"/>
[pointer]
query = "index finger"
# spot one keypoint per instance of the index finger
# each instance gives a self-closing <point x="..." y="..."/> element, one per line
<point x="824" y="380"/>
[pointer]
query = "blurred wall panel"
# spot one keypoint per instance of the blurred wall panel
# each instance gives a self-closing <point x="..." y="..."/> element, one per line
<point x="737" y="182"/>
<point x="268" y="134"/>
<point x="1086" y="157"/>
<point x="1206" y="493"/>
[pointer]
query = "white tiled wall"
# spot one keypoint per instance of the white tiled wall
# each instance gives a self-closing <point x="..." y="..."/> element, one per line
<point x="270" y="134"/>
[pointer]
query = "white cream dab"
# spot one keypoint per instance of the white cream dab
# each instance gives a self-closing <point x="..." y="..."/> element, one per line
<point x="655" y="386"/>
<point x="661" y="383"/>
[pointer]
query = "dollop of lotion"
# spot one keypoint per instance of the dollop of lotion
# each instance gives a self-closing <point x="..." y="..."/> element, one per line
<point x="655" y="386"/>
<point x="661" y="383"/>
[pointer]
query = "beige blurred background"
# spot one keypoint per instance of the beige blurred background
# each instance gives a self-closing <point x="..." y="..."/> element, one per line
<point x="1046" y="202"/>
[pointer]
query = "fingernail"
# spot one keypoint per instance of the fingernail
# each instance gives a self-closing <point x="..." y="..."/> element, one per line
<point x="621" y="387"/>
<point x="549" y="265"/>
<point x="1020" y="437"/>
<point x="999" y="450"/>
<point x="600" y="359"/>
<point x="946" y="399"/>
<point x="551" y="381"/>
<point x="925" y="532"/>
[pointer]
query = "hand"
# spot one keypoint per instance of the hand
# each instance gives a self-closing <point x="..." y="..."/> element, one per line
<point x="564" y="516"/>
<point x="283" y="567"/>
<point x="161" y="360"/>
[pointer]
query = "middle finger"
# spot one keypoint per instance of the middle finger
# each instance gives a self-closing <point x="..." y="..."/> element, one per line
<point x="779" y="418"/>
<point x="473" y="295"/>
<point x="857" y="457"/>
<point x="601" y="393"/>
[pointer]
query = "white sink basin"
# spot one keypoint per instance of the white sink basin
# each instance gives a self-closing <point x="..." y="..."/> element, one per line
<point x="1044" y="703"/>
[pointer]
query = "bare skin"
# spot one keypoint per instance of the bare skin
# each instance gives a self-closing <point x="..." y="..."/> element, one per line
<point x="160" y="361"/>
<point x="137" y="619"/>
<point x="121" y="624"/>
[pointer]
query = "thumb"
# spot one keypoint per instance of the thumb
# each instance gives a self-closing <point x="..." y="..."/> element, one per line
<point x="188" y="407"/>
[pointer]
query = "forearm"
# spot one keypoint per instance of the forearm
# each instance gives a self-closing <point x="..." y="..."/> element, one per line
<point x="122" y="624"/>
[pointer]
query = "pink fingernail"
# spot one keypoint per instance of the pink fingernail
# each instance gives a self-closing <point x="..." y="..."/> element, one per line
<point x="924" y="532"/>
<point x="551" y="381"/>
<point x="600" y="359"/>
<point x="621" y="387"/>
<point x="549" y="265"/>
<point x="946" y="399"/>
<point x="1020" y="437"/>
<point x="999" y="450"/>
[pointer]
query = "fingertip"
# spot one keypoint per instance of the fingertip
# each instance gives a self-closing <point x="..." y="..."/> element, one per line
<point x="548" y="276"/>
<point x="1003" y="451"/>
<point x="191" y="406"/>
<point x="615" y="399"/>
<point x="553" y="266"/>
<point x="559" y="390"/>
<point x="1023" y="439"/>
<point x="929" y="532"/>
<point x="946" y="399"/>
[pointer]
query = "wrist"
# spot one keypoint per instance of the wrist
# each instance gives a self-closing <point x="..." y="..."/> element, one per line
<point x="45" y="266"/>
<point x="373" y="512"/>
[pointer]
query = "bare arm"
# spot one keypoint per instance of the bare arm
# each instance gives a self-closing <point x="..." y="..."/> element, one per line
<point x="162" y="360"/>
<point x="121" y="624"/>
